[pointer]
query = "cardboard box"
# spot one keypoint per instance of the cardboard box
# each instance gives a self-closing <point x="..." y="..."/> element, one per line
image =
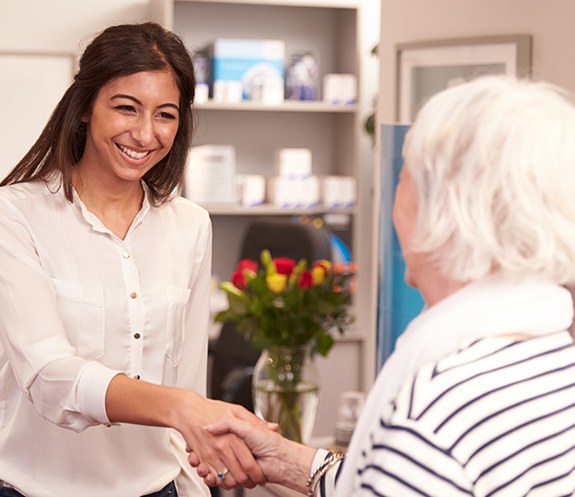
<point x="257" y="64"/>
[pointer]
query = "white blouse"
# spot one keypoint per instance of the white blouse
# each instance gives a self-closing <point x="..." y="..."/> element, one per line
<point x="78" y="305"/>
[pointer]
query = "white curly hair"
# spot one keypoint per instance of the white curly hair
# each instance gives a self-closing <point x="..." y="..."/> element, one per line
<point x="493" y="163"/>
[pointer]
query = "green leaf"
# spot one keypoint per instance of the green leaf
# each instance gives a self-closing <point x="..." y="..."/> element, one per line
<point x="267" y="262"/>
<point x="258" y="285"/>
<point x="324" y="342"/>
<point x="259" y="342"/>
<point x="223" y="316"/>
<point x="238" y="306"/>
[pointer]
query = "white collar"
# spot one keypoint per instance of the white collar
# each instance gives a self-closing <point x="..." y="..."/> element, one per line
<point x="489" y="307"/>
<point x="97" y="224"/>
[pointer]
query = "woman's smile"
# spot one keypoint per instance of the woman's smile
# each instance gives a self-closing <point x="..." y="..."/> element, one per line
<point x="133" y="154"/>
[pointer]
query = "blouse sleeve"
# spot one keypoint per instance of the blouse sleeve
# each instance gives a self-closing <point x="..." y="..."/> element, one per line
<point x="32" y="334"/>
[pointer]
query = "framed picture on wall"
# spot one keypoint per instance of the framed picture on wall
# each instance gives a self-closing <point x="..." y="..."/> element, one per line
<point x="425" y="68"/>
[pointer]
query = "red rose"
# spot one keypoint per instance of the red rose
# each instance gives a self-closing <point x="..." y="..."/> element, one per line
<point x="248" y="264"/>
<point x="284" y="265"/>
<point x="239" y="279"/>
<point x="305" y="279"/>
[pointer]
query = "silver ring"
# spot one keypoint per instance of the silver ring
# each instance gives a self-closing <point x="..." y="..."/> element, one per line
<point x="222" y="475"/>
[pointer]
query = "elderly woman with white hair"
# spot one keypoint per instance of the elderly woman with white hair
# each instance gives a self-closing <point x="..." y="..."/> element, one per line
<point x="479" y="396"/>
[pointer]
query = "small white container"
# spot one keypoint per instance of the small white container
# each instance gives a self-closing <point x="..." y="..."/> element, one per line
<point x="293" y="162"/>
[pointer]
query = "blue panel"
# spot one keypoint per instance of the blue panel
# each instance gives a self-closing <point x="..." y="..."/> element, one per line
<point x="398" y="303"/>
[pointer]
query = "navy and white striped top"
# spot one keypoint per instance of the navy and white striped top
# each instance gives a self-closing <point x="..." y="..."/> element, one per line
<point x="495" y="419"/>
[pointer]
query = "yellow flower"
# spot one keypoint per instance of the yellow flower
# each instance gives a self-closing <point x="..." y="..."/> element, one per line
<point x="325" y="263"/>
<point x="317" y="275"/>
<point x="276" y="282"/>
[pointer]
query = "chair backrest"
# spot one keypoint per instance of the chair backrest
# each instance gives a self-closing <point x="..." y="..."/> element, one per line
<point x="233" y="356"/>
<point x="286" y="239"/>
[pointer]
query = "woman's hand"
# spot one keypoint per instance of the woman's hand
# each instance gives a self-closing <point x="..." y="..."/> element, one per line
<point x="282" y="461"/>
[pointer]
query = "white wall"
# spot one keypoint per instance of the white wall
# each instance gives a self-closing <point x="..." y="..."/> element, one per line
<point x="550" y="22"/>
<point x="35" y="38"/>
<point x="61" y="25"/>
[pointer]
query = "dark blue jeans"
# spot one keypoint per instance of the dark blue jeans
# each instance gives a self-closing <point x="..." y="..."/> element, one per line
<point x="168" y="491"/>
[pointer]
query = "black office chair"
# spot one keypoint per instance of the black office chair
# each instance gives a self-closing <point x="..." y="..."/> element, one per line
<point x="233" y="356"/>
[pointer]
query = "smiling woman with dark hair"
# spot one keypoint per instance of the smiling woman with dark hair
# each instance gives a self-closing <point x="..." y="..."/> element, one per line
<point x="104" y="287"/>
<point x="118" y="51"/>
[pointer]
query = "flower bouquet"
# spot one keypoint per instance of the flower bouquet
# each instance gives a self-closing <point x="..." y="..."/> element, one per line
<point x="287" y="309"/>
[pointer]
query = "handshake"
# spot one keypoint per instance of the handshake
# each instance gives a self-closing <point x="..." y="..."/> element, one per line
<point x="241" y="449"/>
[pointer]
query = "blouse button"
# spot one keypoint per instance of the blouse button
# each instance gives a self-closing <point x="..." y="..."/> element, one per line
<point x="137" y="336"/>
<point x="126" y="255"/>
<point x="133" y="295"/>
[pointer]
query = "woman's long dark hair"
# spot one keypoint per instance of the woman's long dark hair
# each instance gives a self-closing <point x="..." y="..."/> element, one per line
<point x="117" y="51"/>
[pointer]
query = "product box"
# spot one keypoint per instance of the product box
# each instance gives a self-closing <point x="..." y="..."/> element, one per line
<point x="202" y="73"/>
<point x="251" y="189"/>
<point x="293" y="162"/>
<point x="290" y="192"/>
<point x="302" y="77"/>
<point x="255" y="66"/>
<point x="211" y="174"/>
<point x="340" y="89"/>
<point x="338" y="191"/>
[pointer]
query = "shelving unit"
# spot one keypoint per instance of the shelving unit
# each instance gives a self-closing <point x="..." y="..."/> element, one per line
<point x="335" y="31"/>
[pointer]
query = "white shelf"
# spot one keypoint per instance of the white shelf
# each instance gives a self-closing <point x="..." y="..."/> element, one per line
<point x="287" y="106"/>
<point x="271" y="210"/>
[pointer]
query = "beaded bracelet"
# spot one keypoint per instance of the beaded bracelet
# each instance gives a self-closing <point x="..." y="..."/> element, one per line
<point x="313" y="481"/>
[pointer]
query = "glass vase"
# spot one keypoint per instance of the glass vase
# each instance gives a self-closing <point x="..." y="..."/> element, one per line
<point x="286" y="390"/>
